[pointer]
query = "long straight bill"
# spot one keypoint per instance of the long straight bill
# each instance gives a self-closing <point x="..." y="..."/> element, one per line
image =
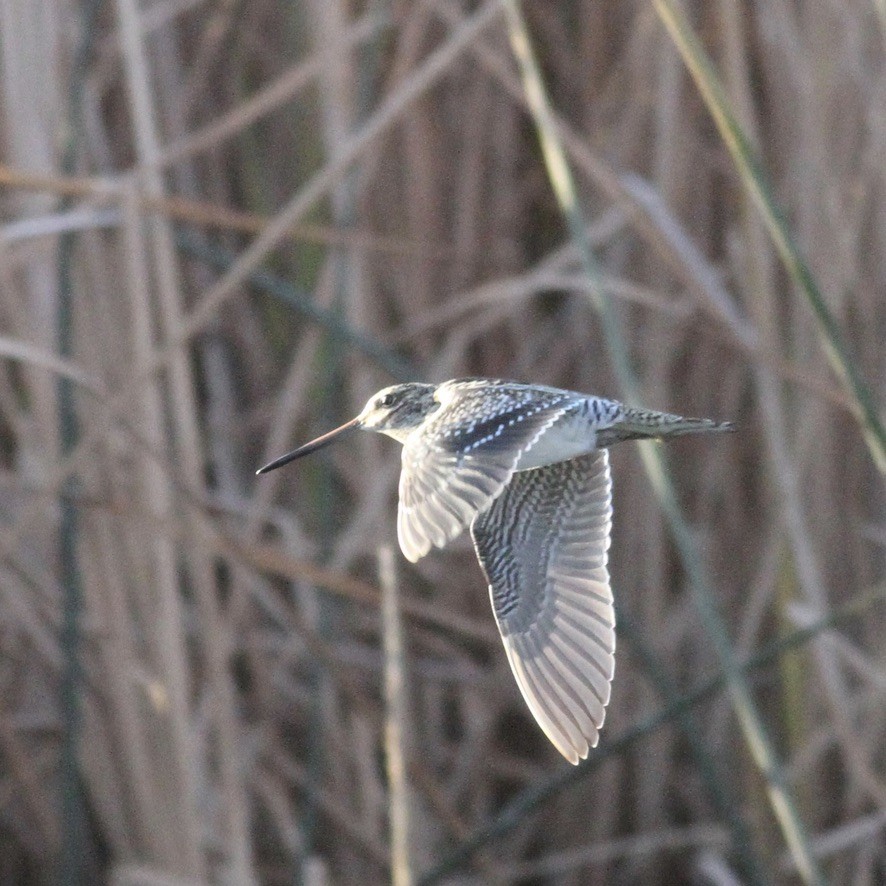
<point x="313" y="446"/>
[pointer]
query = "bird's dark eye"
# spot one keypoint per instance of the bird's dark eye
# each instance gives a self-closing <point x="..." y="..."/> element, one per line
<point x="387" y="400"/>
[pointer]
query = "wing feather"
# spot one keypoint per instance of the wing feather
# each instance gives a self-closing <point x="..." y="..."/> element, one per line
<point x="462" y="457"/>
<point x="543" y="545"/>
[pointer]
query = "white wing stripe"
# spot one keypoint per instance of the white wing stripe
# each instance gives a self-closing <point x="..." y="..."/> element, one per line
<point x="589" y="621"/>
<point x="547" y="694"/>
<point x="595" y="604"/>
<point x="570" y="633"/>
<point x="538" y="701"/>
<point x="582" y="691"/>
<point x="570" y="705"/>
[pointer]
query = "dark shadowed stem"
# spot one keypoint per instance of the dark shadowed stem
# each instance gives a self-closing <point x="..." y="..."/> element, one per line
<point x="753" y="729"/>
<point x="395" y="719"/>
<point x="74" y="859"/>
<point x="516" y="812"/>
<point x="755" y="180"/>
<point x="73" y="825"/>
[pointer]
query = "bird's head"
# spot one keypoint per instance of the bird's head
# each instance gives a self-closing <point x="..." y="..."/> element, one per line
<point x="398" y="410"/>
<point x="395" y="411"/>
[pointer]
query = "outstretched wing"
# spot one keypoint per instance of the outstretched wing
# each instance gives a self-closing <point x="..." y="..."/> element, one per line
<point x="543" y="546"/>
<point x="464" y="455"/>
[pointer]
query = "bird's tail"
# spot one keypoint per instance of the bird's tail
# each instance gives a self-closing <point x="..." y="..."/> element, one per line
<point x="642" y="424"/>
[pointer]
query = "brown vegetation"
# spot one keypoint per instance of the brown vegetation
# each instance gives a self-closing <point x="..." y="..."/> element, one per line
<point x="223" y="225"/>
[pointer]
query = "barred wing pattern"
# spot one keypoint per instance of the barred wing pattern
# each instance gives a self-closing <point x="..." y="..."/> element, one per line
<point x="457" y="463"/>
<point x="543" y="546"/>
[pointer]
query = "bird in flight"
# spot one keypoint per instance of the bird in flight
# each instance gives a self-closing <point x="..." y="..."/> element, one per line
<point x="526" y="468"/>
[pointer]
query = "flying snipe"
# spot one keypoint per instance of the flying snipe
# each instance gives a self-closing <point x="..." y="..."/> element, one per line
<point x="526" y="467"/>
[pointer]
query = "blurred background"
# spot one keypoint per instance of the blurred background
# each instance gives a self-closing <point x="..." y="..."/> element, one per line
<point x="223" y="225"/>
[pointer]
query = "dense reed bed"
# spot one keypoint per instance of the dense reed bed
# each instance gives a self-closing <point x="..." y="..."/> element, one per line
<point x="223" y="225"/>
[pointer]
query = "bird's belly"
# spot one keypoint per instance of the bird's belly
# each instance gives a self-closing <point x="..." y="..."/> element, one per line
<point x="564" y="440"/>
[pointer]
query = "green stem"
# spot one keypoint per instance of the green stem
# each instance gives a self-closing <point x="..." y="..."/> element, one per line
<point x="755" y="180"/>
<point x="74" y="860"/>
<point x="753" y="729"/>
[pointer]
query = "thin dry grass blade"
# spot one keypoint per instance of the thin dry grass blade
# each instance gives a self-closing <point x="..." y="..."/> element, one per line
<point x="396" y="721"/>
<point x="756" y="182"/>
<point x="372" y="166"/>
<point x="756" y="735"/>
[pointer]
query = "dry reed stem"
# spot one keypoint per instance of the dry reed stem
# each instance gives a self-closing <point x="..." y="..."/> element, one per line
<point x="207" y="214"/>
<point x="396" y="721"/>
<point x="385" y="175"/>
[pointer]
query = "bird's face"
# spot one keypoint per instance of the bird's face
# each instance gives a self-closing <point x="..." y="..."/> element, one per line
<point x="398" y="410"/>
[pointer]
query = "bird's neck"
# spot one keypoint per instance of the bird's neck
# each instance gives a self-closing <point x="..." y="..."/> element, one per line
<point x="399" y="434"/>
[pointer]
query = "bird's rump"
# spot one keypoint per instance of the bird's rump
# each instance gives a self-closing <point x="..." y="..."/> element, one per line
<point x="543" y="546"/>
<point x="463" y="457"/>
